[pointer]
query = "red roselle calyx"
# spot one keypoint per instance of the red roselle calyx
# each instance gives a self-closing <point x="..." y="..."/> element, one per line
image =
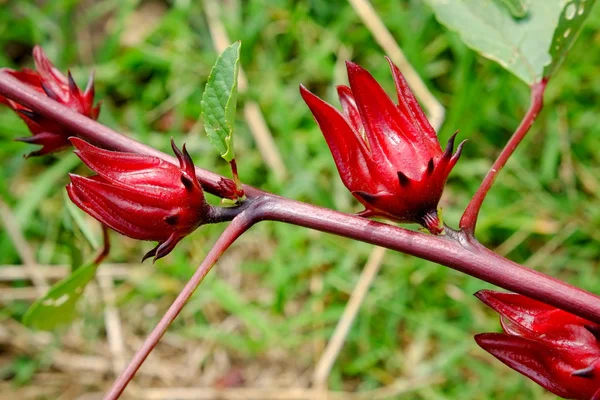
<point x="139" y="196"/>
<point x="552" y="347"/>
<point x="387" y="155"/>
<point x="47" y="79"/>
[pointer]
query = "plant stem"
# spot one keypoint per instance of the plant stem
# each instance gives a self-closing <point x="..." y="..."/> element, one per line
<point x="238" y="226"/>
<point x="469" y="217"/>
<point x="457" y="250"/>
<point x="103" y="253"/>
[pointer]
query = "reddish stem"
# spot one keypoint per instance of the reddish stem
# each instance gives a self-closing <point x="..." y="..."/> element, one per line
<point x="105" y="246"/>
<point x="238" y="225"/>
<point x="458" y="250"/>
<point x="469" y="217"/>
<point x="463" y="253"/>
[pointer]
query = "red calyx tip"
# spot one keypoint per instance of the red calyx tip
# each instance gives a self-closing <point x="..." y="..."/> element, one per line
<point x="305" y="93"/>
<point x="353" y="68"/>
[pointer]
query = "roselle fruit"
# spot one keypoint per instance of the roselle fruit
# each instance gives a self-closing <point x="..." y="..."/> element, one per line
<point x="50" y="81"/>
<point x="552" y="347"/>
<point x="387" y="154"/>
<point x="139" y="196"/>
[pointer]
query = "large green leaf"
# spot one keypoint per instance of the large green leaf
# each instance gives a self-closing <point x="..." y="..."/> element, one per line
<point x="220" y="99"/>
<point x="529" y="38"/>
<point x="57" y="307"/>
<point x="518" y="8"/>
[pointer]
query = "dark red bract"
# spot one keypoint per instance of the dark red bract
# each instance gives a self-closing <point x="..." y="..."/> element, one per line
<point x="387" y="155"/>
<point x="552" y="347"/>
<point x="142" y="197"/>
<point x="47" y="79"/>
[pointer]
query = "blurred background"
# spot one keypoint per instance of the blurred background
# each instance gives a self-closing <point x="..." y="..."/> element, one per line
<point x="259" y="324"/>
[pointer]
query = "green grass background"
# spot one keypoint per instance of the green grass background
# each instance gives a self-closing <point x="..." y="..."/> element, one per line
<point x="545" y="202"/>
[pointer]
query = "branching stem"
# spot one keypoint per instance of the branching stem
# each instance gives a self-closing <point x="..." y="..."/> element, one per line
<point x="238" y="225"/>
<point x="457" y="249"/>
<point x="469" y="217"/>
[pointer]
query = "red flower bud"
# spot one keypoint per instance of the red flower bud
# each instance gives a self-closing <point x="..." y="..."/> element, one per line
<point x="139" y="196"/>
<point x="387" y="155"/>
<point x="552" y="347"/>
<point x="48" y="80"/>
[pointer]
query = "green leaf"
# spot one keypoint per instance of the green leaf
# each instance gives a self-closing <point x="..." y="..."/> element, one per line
<point x="219" y="101"/>
<point x="517" y="8"/>
<point x="529" y="38"/>
<point x="57" y="307"/>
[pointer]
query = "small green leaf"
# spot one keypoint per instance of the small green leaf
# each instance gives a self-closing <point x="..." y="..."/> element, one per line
<point x="219" y="101"/>
<point x="527" y="37"/>
<point x="57" y="307"/>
